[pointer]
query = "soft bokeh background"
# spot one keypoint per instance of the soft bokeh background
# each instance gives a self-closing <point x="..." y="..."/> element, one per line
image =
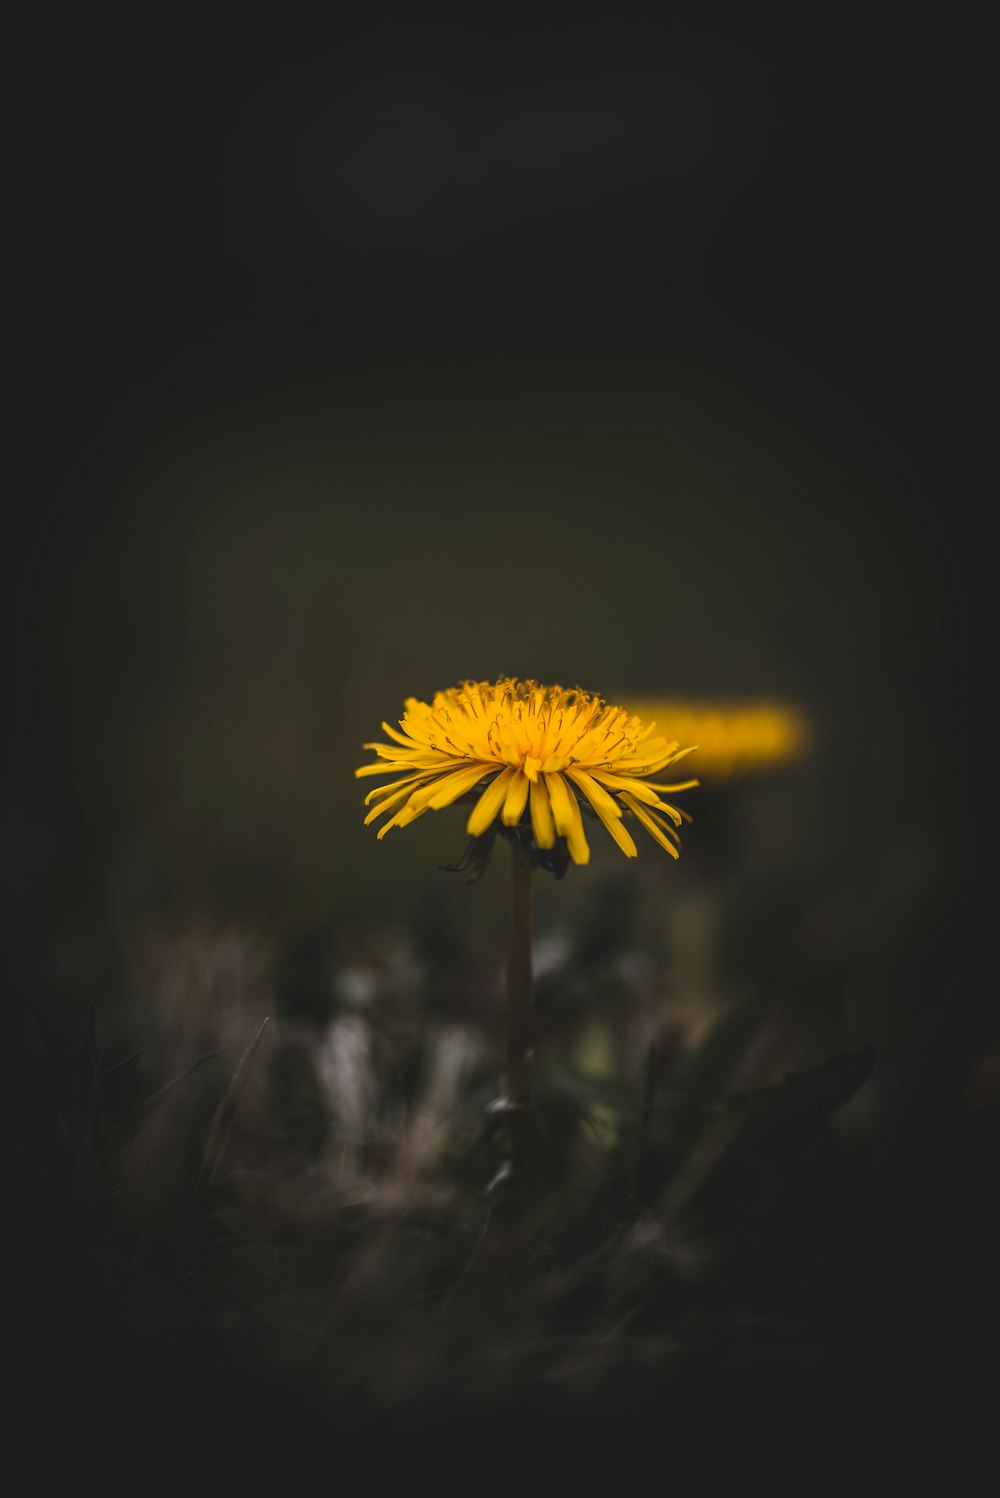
<point x="367" y="362"/>
<point x="271" y="577"/>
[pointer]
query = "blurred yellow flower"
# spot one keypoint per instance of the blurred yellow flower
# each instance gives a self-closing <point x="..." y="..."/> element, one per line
<point x="545" y="749"/>
<point x="733" y="736"/>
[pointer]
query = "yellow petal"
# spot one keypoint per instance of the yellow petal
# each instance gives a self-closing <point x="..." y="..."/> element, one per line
<point x="542" y="824"/>
<point x="642" y="790"/>
<point x="594" y="791"/>
<point x="653" y="766"/>
<point x="671" y="811"/>
<point x="402" y="818"/>
<point x="681" y="785"/>
<point x="569" y="822"/>
<point x="607" y="809"/>
<point x="389" y="801"/>
<point x="380" y="770"/>
<point x="392" y="786"/>
<point x="637" y="788"/>
<point x="489" y="804"/>
<point x="400" y="738"/>
<point x="402" y="763"/>
<point x="651" y="826"/>
<point x="517" y="796"/>
<point x="449" y="787"/>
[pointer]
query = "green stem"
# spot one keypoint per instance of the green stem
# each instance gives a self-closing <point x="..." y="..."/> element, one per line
<point x="518" y="1069"/>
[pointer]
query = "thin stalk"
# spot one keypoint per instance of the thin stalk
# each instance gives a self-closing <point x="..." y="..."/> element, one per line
<point x="518" y="1060"/>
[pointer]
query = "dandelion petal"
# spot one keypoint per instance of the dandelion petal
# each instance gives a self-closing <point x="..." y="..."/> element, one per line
<point x="542" y="824"/>
<point x="489" y="804"/>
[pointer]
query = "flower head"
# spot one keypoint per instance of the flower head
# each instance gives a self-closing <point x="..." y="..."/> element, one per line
<point x="542" y="753"/>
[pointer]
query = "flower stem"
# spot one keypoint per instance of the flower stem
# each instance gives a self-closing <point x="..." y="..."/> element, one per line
<point x="518" y="1077"/>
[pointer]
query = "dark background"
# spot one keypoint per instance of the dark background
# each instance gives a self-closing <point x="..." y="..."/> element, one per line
<point x="360" y="359"/>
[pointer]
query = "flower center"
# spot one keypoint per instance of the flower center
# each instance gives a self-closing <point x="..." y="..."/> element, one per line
<point x="538" y="731"/>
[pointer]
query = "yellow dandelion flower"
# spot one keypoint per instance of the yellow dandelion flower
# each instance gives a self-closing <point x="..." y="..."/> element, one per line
<point x="543" y="752"/>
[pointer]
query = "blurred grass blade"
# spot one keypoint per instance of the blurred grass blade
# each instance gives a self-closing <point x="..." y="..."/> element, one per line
<point x="175" y="1081"/>
<point x="109" y="1071"/>
<point x="765" y="1126"/>
<point x="677" y="1112"/>
<point x="225" y="1115"/>
<point x="705" y="1074"/>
